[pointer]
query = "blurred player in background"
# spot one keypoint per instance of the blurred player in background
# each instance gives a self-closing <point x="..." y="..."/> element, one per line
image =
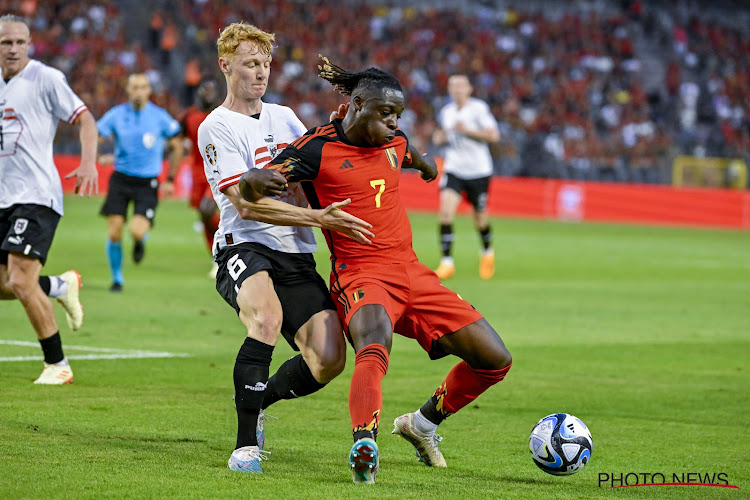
<point x="139" y="129"/>
<point x="382" y="288"/>
<point x="33" y="99"/>
<point x="267" y="272"/>
<point x="467" y="127"/>
<point x="201" y="198"/>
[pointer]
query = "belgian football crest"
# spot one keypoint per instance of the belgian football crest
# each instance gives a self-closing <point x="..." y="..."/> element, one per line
<point x="392" y="156"/>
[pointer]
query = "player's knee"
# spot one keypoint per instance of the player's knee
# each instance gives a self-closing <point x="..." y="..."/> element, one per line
<point x="21" y="286"/>
<point x="492" y="354"/>
<point x="262" y="323"/>
<point x="504" y="359"/>
<point x="6" y="293"/>
<point x="328" y="365"/>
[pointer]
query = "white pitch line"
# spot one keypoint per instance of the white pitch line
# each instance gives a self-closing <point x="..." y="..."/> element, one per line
<point x="106" y="353"/>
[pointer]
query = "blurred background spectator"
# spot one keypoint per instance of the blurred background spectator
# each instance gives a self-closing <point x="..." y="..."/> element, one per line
<point x="582" y="89"/>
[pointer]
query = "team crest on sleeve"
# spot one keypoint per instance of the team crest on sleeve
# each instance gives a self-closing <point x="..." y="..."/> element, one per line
<point x="211" y="155"/>
<point x="20" y="225"/>
<point x="392" y="156"/>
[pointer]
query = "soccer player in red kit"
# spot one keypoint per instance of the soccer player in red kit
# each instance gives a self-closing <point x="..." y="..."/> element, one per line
<point x="382" y="287"/>
<point x="201" y="198"/>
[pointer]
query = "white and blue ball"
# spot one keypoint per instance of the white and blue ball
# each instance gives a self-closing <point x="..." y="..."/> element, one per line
<point x="560" y="444"/>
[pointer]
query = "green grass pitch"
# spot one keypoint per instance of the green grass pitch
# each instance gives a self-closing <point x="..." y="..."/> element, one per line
<point x="642" y="332"/>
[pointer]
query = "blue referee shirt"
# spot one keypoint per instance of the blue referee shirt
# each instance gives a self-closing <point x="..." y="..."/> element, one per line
<point x="139" y="137"/>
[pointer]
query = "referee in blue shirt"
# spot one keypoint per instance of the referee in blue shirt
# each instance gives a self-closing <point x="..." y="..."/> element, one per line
<point x="139" y="129"/>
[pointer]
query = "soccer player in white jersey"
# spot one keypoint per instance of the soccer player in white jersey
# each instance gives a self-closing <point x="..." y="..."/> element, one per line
<point x="467" y="127"/>
<point x="33" y="99"/>
<point x="267" y="272"/>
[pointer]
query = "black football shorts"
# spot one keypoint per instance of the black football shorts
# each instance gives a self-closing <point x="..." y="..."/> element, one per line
<point x="301" y="290"/>
<point x="475" y="189"/>
<point x="27" y="230"/>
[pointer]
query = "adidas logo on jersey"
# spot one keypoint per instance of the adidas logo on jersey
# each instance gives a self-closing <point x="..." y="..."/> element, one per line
<point x="346" y="164"/>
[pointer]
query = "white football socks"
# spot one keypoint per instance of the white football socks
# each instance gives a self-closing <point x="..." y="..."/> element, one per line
<point x="57" y="287"/>
<point x="422" y="424"/>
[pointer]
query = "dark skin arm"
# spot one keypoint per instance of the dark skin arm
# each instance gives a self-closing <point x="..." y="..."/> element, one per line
<point x="425" y="164"/>
<point x="253" y="204"/>
<point x="259" y="182"/>
<point x="256" y="183"/>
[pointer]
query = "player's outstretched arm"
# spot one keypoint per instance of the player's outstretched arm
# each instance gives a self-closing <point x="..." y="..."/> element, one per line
<point x="279" y="213"/>
<point x="426" y="165"/>
<point x="87" y="177"/>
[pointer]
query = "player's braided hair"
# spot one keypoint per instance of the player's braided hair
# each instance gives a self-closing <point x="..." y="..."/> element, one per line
<point x="370" y="79"/>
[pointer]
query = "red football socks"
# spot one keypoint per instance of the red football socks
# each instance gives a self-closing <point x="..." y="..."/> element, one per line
<point x="463" y="385"/>
<point x="365" y="392"/>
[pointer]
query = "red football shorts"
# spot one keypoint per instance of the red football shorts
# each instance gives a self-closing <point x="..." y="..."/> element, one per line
<point x="200" y="188"/>
<point x="419" y="306"/>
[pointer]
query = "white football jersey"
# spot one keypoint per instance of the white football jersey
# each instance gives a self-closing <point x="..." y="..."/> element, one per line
<point x="465" y="157"/>
<point x="231" y="143"/>
<point x="31" y="105"/>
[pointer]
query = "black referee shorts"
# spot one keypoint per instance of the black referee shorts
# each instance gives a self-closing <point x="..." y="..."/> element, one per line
<point x="124" y="189"/>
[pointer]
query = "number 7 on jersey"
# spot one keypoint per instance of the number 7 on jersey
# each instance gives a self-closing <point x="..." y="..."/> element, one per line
<point x="375" y="184"/>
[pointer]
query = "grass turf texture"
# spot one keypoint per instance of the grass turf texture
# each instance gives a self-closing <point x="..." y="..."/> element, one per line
<point x="642" y="332"/>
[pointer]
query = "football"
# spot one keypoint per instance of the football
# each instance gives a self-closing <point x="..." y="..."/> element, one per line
<point x="560" y="444"/>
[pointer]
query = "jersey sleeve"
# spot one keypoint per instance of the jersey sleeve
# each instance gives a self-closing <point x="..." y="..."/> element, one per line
<point x="220" y="153"/>
<point x="406" y="161"/>
<point x="61" y="100"/>
<point x="169" y="126"/>
<point x="300" y="161"/>
<point x="106" y="124"/>
<point x="441" y="119"/>
<point x="485" y="118"/>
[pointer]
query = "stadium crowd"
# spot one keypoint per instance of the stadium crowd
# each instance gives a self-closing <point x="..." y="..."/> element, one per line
<point x="587" y="90"/>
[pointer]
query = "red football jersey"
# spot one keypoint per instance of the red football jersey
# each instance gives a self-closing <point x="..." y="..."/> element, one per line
<point x="368" y="175"/>
<point x="191" y="119"/>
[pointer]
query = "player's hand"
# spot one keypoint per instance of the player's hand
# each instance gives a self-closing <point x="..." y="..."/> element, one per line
<point x="341" y="112"/>
<point x="461" y="128"/>
<point x="424" y="163"/>
<point x="266" y="182"/>
<point x="335" y="219"/>
<point x="106" y="159"/>
<point x="439" y="137"/>
<point x="428" y="170"/>
<point x="87" y="179"/>
<point x="167" y="188"/>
